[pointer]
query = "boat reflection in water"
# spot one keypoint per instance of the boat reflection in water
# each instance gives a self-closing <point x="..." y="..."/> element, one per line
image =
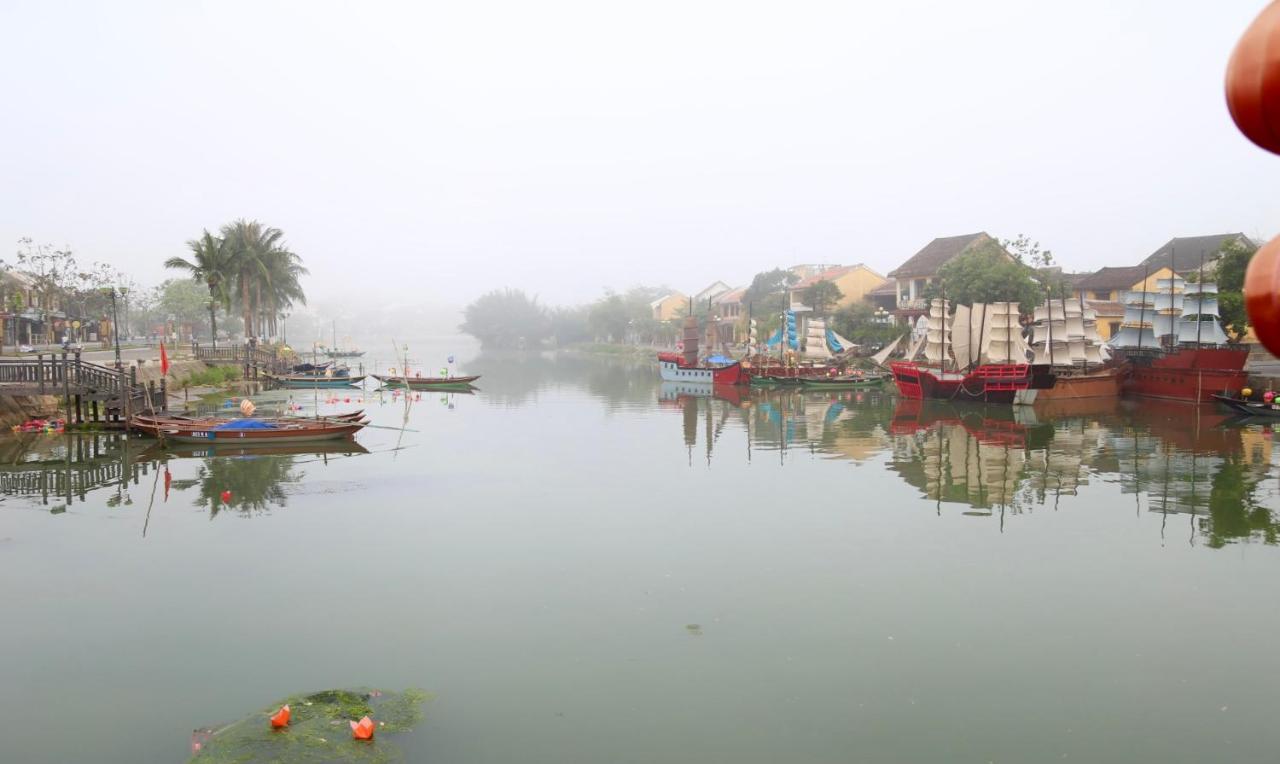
<point x="60" y="471"/>
<point x="996" y="461"/>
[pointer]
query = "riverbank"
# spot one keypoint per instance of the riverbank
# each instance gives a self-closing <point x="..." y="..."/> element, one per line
<point x="637" y="352"/>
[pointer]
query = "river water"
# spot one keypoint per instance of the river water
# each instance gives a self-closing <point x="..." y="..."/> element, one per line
<point x="585" y="565"/>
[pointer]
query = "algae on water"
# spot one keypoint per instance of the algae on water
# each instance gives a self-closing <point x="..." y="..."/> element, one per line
<point x="317" y="731"/>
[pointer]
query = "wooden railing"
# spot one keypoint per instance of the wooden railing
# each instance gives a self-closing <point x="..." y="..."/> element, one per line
<point x="234" y="354"/>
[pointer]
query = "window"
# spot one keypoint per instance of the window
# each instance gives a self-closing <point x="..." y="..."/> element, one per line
<point x="1114" y="328"/>
<point x="1101" y="295"/>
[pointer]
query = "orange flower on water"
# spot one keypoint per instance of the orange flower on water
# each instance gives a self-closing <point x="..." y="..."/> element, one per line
<point x="281" y="717"/>
<point x="363" y="729"/>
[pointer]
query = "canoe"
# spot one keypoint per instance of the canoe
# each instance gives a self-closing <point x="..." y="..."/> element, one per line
<point x="308" y="381"/>
<point x="425" y="383"/>
<point x="279" y="431"/>
<point x="253" y="448"/>
<point x="1248" y="408"/>
<point x="210" y="421"/>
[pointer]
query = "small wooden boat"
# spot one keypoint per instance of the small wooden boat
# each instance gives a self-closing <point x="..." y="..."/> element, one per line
<point x="311" y="380"/>
<point x="1247" y="407"/>
<point x="855" y="382"/>
<point x="244" y="432"/>
<point x="153" y="419"/>
<point x="342" y="447"/>
<point x="425" y="383"/>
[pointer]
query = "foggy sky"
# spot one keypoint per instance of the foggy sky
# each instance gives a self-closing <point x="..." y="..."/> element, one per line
<point x="426" y="152"/>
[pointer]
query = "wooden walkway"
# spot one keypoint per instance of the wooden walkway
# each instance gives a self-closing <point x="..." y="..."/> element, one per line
<point x="90" y="392"/>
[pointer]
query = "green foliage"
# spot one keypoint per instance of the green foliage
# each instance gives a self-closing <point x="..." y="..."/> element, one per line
<point x="858" y="323"/>
<point x="506" y="318"/>
<point x="267" y="275"/>
<point x="214" y="376"/>
<point x="317" y="730"/>
<point x="987" y="274"/>
<point x="822" y="296"/>
<point x="183" y="300"/>
<point x="1233" y="261"/>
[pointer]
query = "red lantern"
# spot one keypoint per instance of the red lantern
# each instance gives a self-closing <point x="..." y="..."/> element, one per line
<point x="226" y="497"/>
<point x="1253" y="80"/>
<point x="281" y="717"/>
<point x="1262" y="294"/>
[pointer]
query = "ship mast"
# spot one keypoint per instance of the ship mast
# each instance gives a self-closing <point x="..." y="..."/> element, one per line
<point x="1142" y="311"/>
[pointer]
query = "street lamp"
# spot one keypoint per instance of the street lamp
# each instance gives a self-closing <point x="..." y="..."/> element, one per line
<point x="882" y="315"/>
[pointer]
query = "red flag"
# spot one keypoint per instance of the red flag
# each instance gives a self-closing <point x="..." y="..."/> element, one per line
<point x="164" y="361"/>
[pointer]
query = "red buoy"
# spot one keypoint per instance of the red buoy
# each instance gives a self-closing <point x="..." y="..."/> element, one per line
<point x="226" y="497"/>
<point x="1262" y="294"/>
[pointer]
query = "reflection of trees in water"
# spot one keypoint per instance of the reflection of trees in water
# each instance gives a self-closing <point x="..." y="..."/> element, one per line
<point x="514" y="379"/>
<point x="256" y="483"/>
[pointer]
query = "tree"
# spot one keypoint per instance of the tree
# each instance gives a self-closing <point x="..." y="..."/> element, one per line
<point x="767" y="296"/>
<point x="505" y="318"/>
<point x="987" y="274"/>
<point x="1232" y="262"/>
<point x="267" y="273"/>
<point x="858" y="323"/>
<point x="52" y="271"/>
<point x="1054" y="284"/>
<point x="184" y="301"/>
<point x="823" y="295"/>
<point x="609" y="318"/>
<point x="211" y="264"/>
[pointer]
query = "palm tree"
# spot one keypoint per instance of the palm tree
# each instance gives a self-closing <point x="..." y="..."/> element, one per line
<point x="283" y="287"/>
<point x="210" y="263"/>
<point x="251" y="245"/>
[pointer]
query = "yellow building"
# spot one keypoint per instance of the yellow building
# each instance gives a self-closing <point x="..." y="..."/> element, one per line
<point x="668" y="306"/>
<point x="853" y="281"/>
<point x="1111" y="284"/>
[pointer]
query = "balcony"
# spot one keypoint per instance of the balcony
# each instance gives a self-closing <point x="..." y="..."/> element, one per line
<point x="906" y="303"/>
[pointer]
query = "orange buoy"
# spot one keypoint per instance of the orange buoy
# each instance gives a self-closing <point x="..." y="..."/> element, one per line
<point x="363" y="729"/>
<point x="281" y="717"/>
<point x="1262" y="294"/>
<point x="1253" y="80"/>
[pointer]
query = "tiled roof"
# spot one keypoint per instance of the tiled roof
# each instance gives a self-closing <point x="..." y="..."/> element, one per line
<point x="830" y="275"/>
<point x="733" y="295"/>
<point x="936" y="254"/>
<point x="1187" y="252"/>
<point x="1113" y="278"/>
<point x="1105" y="307"/>
<point x="888" y="287"/>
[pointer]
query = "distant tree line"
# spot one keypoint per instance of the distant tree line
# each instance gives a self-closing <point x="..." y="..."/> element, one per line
<point x="510" y="318"/>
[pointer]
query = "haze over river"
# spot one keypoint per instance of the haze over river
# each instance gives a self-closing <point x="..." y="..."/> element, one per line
<point x="584" y="565"/>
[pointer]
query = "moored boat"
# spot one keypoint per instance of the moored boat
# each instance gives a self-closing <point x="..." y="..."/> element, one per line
<point x="1248" y="407"/>
<point x="308" y="381"/>
<point x="1065" y="343"/>
<point x="978" y="355"/>
<point x="248" y="431"/>
<point x="1175" y="346"/>
<point x="426" y="383"/>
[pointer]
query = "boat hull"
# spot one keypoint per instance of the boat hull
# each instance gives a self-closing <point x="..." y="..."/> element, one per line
<point x="989" y="383"/>
<point x="1105" y="383"/>
<point x="314" y="382"/>
<point x="245" y="438"/>
<point x="1188" y="374"/>
<point x="428" y="383"/>
<point x="671" y="371"/>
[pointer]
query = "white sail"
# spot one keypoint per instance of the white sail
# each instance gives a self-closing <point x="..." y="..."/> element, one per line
<point x="915" y="348"/>
<point x="1206" y="331"/>
<point x="1200" y="305"/>
<point x="885" y="352"/>
<point x="937" y="347"/>
<point x="962" y="334"/>
<point x="1134" y="337"/>
<point x="1005" y="343"/>
<point x="815" y="339"/>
